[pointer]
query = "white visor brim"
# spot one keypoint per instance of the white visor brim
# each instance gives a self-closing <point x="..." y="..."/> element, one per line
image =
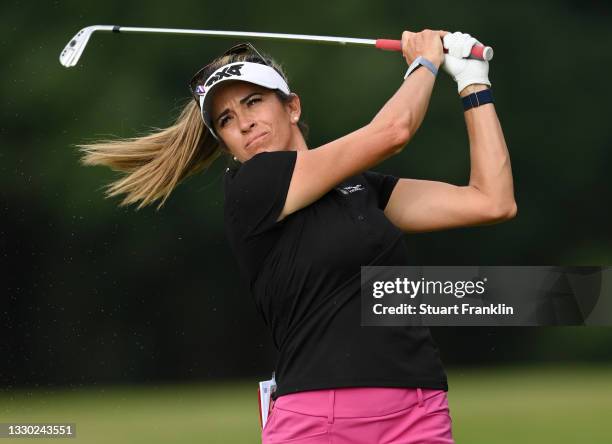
<point x="256" y="73"/>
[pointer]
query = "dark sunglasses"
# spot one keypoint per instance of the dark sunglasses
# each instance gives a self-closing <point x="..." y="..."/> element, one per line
<point x="199" y="77"/>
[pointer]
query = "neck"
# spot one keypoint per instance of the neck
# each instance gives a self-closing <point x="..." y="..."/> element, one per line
<point x="297" y="140"/>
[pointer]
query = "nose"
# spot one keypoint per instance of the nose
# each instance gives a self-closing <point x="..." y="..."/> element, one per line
<point x="246" y="123"/>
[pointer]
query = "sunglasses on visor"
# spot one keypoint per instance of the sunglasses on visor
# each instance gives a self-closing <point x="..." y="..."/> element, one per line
<point x="200" y="77"/>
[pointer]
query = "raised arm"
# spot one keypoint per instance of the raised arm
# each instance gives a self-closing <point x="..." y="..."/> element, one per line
<point x="424" y="205"/>
<point x="318" y="170"/>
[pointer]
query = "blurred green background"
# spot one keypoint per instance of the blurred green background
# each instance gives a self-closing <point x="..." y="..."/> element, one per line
<point x="136" y="326"/>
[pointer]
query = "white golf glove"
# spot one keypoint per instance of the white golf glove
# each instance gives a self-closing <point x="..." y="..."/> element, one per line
<point x="464" y="71"/>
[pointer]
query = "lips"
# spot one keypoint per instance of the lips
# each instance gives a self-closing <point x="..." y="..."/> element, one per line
<point x="255" y="139"/>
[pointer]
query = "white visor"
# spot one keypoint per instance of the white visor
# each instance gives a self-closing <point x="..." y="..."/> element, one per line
<point x="256" y="73"/>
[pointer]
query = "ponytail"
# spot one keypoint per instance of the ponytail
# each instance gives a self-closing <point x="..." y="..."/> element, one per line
<point x="156" y="163"/>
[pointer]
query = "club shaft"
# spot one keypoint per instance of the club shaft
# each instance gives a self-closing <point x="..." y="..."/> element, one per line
<point x="250" y="35"/>
<point x="72" y="52"/>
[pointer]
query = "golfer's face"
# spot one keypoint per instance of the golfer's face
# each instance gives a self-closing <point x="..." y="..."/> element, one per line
<point x="250" y="119"/>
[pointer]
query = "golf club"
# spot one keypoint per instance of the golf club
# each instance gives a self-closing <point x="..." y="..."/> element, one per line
<point x="75" y="47"/>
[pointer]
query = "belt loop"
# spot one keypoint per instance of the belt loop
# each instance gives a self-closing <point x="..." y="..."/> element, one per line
<point x="330" y="406"/>
<point x="420" y="396"/>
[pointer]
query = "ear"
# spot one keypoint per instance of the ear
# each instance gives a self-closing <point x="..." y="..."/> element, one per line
<point x="294" y="107"/>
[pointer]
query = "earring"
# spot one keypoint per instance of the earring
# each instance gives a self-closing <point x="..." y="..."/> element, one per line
<point x="235" y="159"/>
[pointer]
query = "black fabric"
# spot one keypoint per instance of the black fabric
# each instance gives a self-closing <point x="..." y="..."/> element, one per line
<point x="303" y="274"/>
<point x="383" y="186"/>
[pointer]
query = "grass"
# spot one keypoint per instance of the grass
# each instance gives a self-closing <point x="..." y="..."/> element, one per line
<point x="498" y="405"/>
<point x="554" y="404"/>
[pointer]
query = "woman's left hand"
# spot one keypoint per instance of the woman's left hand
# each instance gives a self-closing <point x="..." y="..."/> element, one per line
<point x="464" y="71"/>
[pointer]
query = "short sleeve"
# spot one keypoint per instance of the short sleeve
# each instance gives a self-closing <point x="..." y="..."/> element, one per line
<point x="383" y="185"/>
<point x="255" y="194"/>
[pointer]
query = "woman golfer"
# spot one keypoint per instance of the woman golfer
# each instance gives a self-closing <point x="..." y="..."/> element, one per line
<point x="301" y="222"/>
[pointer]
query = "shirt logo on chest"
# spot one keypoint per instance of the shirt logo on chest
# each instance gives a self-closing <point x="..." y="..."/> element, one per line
<point x="350" y="189"/>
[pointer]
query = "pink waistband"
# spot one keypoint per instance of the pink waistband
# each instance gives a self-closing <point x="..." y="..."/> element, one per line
<point x="351" y="402"/>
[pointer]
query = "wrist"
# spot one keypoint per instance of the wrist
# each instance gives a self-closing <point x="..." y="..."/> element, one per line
<point x="477" y="99"/>
<point x="422" y="61"/>
<point x="474" y="87"/>
<point x="435" y="59"/>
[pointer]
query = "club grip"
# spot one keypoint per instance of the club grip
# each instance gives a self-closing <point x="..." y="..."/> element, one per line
<point x="479" y="52"/>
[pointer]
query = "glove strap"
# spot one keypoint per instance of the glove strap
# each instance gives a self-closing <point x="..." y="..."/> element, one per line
<point x="476" y="99"/>
<point x="421" y="61"/>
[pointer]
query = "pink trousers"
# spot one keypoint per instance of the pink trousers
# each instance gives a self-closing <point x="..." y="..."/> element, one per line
<point x="355" y="415"/>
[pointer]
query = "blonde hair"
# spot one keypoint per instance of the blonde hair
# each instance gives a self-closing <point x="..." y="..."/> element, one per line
<point x="157" y="162"/>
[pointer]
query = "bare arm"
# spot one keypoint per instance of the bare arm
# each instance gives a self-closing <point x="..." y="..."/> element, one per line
<point x="422" y="205"/>
<point x="490" y="171"/>
<point x="318" y="170"/>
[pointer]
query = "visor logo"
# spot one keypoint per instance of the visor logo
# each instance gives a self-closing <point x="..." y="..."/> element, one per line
<point x="228" y="71"/>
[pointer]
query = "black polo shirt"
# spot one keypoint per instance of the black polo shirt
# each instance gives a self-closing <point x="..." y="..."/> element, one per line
<point x="304" y="276"/>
